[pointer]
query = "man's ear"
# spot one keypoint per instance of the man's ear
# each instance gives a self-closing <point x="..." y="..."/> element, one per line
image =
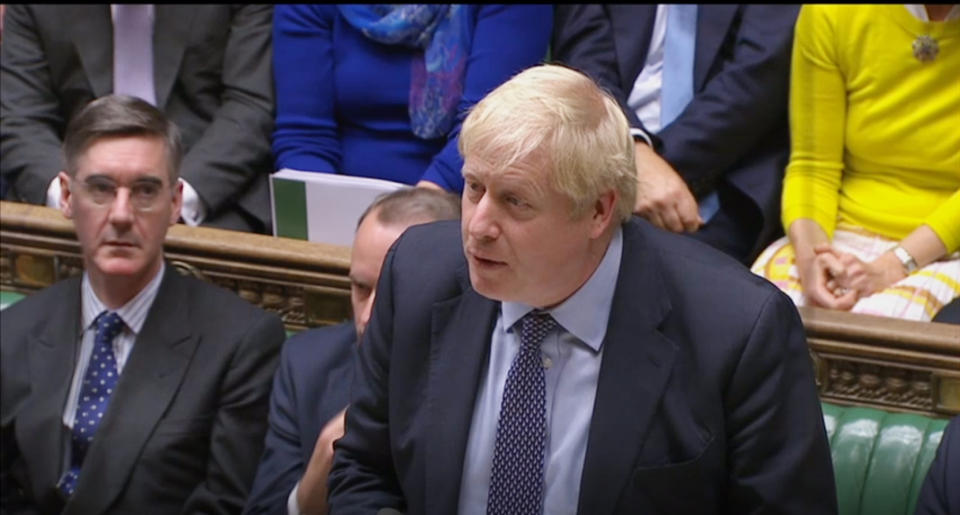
<point x="177" y="201"/>
<point x="66" y="196"/>
<point x="603" y="212"/>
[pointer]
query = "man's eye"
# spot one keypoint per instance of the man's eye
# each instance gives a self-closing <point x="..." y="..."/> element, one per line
<point x="146" y="191"/>
<point x="515" y="201"/>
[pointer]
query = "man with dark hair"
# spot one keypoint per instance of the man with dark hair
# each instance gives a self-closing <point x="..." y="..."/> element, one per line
<point x="206" y="67"/>
<point x="311" y="387"/>
<point x="132" y="387"/>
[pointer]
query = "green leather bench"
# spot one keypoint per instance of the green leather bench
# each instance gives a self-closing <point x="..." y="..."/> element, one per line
<point x="880" y="459"/>
<point x="8" y="297"/>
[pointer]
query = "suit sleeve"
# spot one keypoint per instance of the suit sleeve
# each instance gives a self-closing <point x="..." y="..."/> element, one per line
<point x="235" y="148"/>
<point x="506" y="40"/>
<point x="282" y="463"/>
<point x="306" y="137"/>
<point x="363" y="479"/>
<point x="939" y="494"/>
<point x="772" y="394"/>
<point x="30" y="113"/>
<point x="583" y="39"/>
<point x="741" y="103"/>
<point x="237" y="437"/>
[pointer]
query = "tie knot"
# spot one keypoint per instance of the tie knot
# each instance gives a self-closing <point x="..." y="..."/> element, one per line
<point x="109" y="325"/>
<point x="533" y="327"/>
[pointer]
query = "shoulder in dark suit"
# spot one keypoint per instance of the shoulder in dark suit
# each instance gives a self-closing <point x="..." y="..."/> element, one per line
<point x="732" y="138"/>
<point x="940" y="494"/>
<point x="312" y="385"/>
<point x="706" y="401"/>
<point x="184" y="429"/>
<point x="212" y="76"/>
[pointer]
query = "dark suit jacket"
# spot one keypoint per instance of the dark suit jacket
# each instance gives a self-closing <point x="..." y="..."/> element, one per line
<point x="734" y="131"/>
<point x="706" y="401"/>
<point x="311" y="385"/>
<point x="213" y="78"/>
<point x="940" y="494"/>
<point x="184" y="428"/>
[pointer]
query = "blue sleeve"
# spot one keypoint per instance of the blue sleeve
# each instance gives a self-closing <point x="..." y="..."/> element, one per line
<point x="306" y="131"/>
<point x="281" y="464"/>
<point x="506" y="40"/>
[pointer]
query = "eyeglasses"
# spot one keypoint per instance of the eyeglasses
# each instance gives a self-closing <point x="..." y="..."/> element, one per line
<point x="145" y="194"/>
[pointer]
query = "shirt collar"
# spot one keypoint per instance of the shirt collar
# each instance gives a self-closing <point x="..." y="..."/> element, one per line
<point x="133" y="313"/>
<point x="586" y="312"/>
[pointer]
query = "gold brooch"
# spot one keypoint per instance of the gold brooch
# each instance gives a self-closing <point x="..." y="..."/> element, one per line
<point x="925" y="48"/>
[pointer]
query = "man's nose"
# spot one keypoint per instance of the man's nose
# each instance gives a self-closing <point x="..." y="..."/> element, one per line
<point x="121" y="211"/>
<point x="483" y="223"/>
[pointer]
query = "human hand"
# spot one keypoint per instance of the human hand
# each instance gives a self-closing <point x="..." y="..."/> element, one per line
<point x="865" y="278"/>
<point x="822" y="276"/>
<point x="663" y="198"/>
<point x="312" y="493"/>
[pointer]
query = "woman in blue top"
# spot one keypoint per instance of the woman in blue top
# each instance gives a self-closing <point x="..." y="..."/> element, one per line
<point x="380" y="91"/>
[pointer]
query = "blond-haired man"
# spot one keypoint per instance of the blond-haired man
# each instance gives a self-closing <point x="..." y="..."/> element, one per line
<point x="555" y="355"/>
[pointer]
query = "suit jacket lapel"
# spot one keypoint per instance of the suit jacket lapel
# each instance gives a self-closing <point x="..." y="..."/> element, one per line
<point x="171" y="32"/>
<point x="461" y="331"/>
<point x="713" y="22"/>
<point x="148" y="383"/>
<point x="632" y="29"/>
<point x="92" y="29"/>
<point x="52" y="358"/>
<point x="637" y="360"/>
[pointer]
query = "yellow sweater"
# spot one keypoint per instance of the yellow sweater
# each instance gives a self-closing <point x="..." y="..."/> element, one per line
<point x="875" y="132"/>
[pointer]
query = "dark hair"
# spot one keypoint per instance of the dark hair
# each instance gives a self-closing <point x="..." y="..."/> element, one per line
<point x="120" y="115"/>
<point x="413" y="205"/>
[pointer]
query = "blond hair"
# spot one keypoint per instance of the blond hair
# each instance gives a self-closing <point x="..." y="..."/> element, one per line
<point x="561" y="115"/>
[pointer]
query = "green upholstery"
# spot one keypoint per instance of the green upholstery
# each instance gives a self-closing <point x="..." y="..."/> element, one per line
<point x="8" y="297"/>
<point x="880" y="459"/>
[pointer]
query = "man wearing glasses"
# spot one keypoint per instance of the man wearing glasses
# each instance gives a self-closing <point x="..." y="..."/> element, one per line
<point x="131" y="386"/>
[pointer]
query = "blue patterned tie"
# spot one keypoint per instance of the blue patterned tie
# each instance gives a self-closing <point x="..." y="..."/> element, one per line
<point x="516" y="482"/>
<point x="98" y="384"/>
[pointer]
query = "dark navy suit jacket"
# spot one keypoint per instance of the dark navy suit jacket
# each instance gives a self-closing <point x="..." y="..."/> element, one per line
<point x="733" y="136"/>
<point x="940" y="494"/>
<point x="311" y="385"/>
<point x="706" y="401"/>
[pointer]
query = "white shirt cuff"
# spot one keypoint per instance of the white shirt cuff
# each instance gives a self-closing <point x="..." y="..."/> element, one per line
<point x="292" y="507"/>
<point x="53" y="193"/>
<point x="639" y="132"/>
<point x="193" y="211"/>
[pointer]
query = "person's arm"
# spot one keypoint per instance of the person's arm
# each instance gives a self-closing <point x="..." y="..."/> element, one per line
<point x="506" y="40"/>
<point x="31" y="118"/>
<point x="240" y="423"/>
<point x="311" y="492"/>
<point x="235" y="147"/>
<point x="282" y="463"/>
<point x="939" y="494"/>
<point x="778" y="455"/>
<point x="363" y="479"/>
<point x="306" y="137"/>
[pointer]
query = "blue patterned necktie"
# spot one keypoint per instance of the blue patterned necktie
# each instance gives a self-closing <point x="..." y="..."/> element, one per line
<point x="98" y="384"/>
<point x="516" y="482"/>
<point x="677" y="89"/>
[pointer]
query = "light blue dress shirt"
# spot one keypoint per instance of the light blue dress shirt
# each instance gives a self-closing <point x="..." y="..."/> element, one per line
<point x="571" y="357"/>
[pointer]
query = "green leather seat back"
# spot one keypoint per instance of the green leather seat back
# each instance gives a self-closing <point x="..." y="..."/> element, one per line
<point x="880" y="459"/>
<point x="8" y="297"/>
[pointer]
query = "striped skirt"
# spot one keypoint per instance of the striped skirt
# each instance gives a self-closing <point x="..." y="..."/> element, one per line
<point x="918" y="296"/>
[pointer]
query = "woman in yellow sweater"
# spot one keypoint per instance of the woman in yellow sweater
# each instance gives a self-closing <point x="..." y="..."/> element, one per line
<point x="871" y="197"/>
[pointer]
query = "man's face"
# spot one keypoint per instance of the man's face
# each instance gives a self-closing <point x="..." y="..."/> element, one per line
<point x="370" y="246"/>
<point x="121" y="202"/>
<point x="519" y="239"/>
